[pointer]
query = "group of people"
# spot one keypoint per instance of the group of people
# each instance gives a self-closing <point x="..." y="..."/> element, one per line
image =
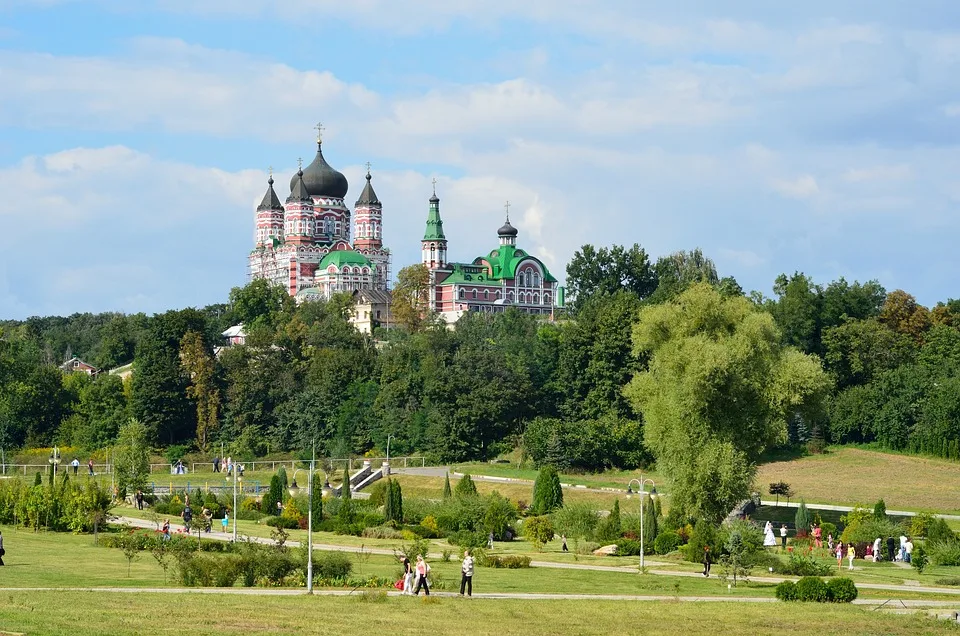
<point x="226" y="465"/>
<point x="415" y="575"/>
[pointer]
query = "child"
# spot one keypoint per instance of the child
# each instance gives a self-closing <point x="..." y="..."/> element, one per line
<point x="226" y="521"/>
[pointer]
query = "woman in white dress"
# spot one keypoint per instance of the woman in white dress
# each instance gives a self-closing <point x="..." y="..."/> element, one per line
<point x="768" y="538"/>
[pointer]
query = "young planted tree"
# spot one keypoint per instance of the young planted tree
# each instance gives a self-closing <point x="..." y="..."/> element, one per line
<point x="447" y="493"/>
<point x="650" y="526"/>
<point x="880" y="510"/>
<point x="393" y="502"/>
<point x="780" y="488"/>
<point x="802" y="520"/>
<point x="547" y="493"/>
<point x="131" y="457"/>
<point x="611" y="528"/>
<point x="317" y="499"/>
<point x="345" y="486"/>
<point x="466" y="487"/>
<point x="539" y="531"/>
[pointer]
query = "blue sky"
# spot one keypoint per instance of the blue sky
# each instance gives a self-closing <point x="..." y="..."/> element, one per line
<point x="135" y="137"/>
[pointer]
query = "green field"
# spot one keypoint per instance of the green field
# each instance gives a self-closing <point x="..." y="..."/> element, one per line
<point x="608" y="479"/>
<point x="96" y="613"/>
<point x="848" y="476"/>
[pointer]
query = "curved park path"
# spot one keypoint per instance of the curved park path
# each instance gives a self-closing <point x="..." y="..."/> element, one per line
<point x="224" y="536"/>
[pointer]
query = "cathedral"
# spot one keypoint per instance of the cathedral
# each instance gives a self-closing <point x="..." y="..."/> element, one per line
<point x="304" y="244"/>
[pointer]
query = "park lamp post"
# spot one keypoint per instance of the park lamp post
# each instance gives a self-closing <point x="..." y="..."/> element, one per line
<point x="294" y="489"/>
<point x="236" y="478"/>
<point x="642" y="492"/>
<point x="54" y="461"/>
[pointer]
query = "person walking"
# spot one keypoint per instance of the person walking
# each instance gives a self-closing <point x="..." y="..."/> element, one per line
<point x="818" y="536"/>
<point x="839" y="555"/>
<point x="166" y="530"/>
<point x="563" y="541"/>
<point x="783" y="536"/>
<point x="76" y="466"/>
<point x="908" y="550"/>
<point x="466" y="576"/>
<point x="225" y="522"/>
<point x="877" y="556"/>
<point x="851" y="555"/>
<point x="187" y="515"/>
<point x="830" y="541"/>
<point x="423" y="569"/>
<point x="207" y="519"/>
<point x="139" y="499"/>
<point x="90" y="466"/>
<point x="2" y="551"/>
<point x="216" y="464"/>
<point x="490" y="541"/>
<point x="407" y="575"/>
<point x="890" y="549"/>
<point x="706" y="560"/>
<point x="903" y="548"/>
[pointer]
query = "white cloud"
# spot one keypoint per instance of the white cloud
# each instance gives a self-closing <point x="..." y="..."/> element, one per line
<point x="802" y="187"/>
<point x="879" y="173"/>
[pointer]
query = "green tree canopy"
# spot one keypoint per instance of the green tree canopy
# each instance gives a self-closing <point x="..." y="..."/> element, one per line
<point x="719" y="389"/>
<point x="547" y="492"/>
<point x="604" y="272"/>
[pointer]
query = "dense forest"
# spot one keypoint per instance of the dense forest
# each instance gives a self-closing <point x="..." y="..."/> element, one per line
<point x="666" y="345"/>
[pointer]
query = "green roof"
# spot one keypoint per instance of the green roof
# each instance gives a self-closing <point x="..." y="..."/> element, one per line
<point x="434" y="231"/>
<point x="344" y="257"/>
<point x="504" y="261"/>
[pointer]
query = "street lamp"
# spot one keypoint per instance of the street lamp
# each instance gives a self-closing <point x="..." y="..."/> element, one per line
<point x="294" y="490"/>
<point x="642" y="492"/>
<point x="236" y="478"/>
<point x="54" y="460"/>
<point x="389" y="437"/>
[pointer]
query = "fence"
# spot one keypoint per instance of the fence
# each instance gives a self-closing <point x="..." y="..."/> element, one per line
<point x="293" y="464"/>
<point x="30" y="469"/>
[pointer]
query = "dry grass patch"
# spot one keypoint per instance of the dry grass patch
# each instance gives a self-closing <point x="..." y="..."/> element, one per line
<point x="847" y="476"/>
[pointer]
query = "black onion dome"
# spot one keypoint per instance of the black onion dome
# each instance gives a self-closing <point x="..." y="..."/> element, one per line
<point x="368" y="196"/>
<point x="321" y="180"/>
<point x="270" y="199"/>
<point x="507" y="230"/>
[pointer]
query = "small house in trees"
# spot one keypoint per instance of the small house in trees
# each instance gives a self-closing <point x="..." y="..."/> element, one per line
<point x="76" y="365"/>
<point x="235" y="335"/>
<point x="371" y="308"/>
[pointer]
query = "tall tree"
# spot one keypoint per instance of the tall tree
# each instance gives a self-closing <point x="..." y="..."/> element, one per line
<point x="677" y="271"/>
<point x="200" y="367"/>
<point x="547" y="493"/>
<point x="604" y="271"/>
<point x="410" y="302"/>
<point x="131" y="457"/>
<point x="719" y="389"/>
<point x="903" y="314"/>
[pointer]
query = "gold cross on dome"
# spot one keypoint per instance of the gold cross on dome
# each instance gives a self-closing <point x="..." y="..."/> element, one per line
<point x="319" y="128"/>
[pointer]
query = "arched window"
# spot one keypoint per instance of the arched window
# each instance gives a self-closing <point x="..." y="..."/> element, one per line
<point x="461" y="294"/>
<point x="498" y="294"/>
<point x="486" y="294"/>
<point x="536" y="279"/>
<point x="509" y="296"/>
<point x="536" y="299"/>
<point x="474" y="294"/>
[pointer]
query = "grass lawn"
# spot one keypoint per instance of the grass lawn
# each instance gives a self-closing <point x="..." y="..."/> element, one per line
<point x="848" y="476"/>
<point x="70" y="614"/>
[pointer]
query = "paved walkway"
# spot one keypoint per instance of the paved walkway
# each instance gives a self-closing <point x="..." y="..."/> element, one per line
<point x="817" y="506"/>
<point x="261" y="591"/>
<point x="223" y="536"/>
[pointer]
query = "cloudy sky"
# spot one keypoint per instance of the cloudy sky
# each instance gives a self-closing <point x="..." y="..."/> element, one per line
<point x="135" y="138"/>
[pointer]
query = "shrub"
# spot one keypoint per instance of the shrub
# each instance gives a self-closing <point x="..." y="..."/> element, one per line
<point x="609" y="528"/>
<point x="802" y="519"/>
<point x="539" y="531"/>
<point x="667" y="542"/>
<point x="944" y="552"/>
<point x="812" y="588"/>
<point x="628" y="547"/>
<point x="938" y="531"/>
<point x="332" y="565"/>
<point x="802" y="565"/>
<point x="826" y="529"/>
<point x="465" y="487"/>
<point x="467" y="539"/>
<point x="587" y="547"/>
<point x="429" y="525"/>
<point x="919" y="523"/>
<point x="378" y="492"/>
<point x="547" y="493"/>
<point x="919" y="559"/>
<point x="381" y="532"/>
<point x="704" y="534"/>
<point x="282" y="522"/>
<point x="880" y="511"/>
<point x="786" y="591"/>
<point x="842" y="590"/>
<point x="576" y="521"/>
<point x="512" y="562"/>
<point x="948" y="580"/>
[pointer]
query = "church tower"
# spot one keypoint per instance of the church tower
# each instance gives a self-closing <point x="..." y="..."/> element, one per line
<point x="299" y="218"/>
<point x="368" y="219"/>
<point x="433" y="247"/>
<point x="269" y="217"/>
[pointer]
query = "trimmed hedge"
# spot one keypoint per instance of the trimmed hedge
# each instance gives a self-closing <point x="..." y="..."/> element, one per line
<point x="813" y="589"/>
<point x="667" y="542"/>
